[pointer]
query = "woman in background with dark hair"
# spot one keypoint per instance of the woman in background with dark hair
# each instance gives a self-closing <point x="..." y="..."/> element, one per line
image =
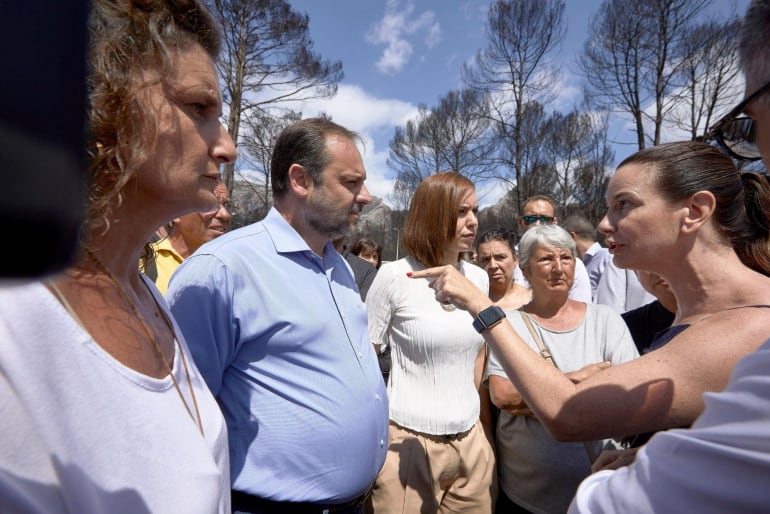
<point x="368" y="250"/>
<point x="103" y="407"/>
<point x="440" y="458"/>
<point x="496" y="253"/>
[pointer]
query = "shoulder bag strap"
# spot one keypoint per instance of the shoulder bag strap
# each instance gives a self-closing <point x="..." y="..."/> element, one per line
<point x="544" y="353"/>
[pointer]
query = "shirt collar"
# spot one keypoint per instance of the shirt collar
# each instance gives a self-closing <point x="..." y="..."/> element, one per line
<point x="285" y="238"/>
<point x="164" y="246"/>
<point x="593" y="249"/>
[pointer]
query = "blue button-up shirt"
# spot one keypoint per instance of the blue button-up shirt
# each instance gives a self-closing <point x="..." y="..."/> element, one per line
<point x="280" y="335"/>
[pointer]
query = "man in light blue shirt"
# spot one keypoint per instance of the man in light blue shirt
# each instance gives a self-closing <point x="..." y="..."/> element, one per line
<point x="274" y="319"/>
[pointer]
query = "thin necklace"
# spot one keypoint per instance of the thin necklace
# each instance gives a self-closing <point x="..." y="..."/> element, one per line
<point x="197" y="417"/>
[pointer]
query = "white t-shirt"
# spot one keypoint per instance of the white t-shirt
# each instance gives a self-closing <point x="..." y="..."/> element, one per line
<point x="82" y="433"/>
<point x="536" y="471"/>
<point x="720" y="464"/>
<point x="433" y="350"/>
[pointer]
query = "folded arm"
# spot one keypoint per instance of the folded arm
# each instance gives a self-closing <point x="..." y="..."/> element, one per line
<point x="659" y="390"/>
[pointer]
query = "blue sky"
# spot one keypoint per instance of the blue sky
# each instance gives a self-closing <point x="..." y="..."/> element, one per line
<point x="397" y="54"/>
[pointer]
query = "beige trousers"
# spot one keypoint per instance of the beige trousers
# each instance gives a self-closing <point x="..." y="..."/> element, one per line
<point x="426" y="474"/>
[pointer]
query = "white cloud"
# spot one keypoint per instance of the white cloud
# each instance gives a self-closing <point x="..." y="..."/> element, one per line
<point x="358" y="110"/>
<point x="568" y="92"/>
<point x="395" y="56"/>
<point x="377" y="181"/>
<point x="391" y="25"/>
<point x="393" y="31"/>
<point x="432" y="27"/>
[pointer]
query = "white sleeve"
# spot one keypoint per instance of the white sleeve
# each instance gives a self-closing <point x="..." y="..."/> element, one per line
<point x="620" y="345"/>
<point x="612" y="288"/>
<point x="380" y="303"/>
<point x="581" y="288"/>
<point x="493" y="363"/>
<point x="721" y="464"/>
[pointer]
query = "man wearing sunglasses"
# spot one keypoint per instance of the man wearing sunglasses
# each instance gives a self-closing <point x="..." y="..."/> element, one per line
<point x="539" y="210"/>
<point x="732" y="436"/>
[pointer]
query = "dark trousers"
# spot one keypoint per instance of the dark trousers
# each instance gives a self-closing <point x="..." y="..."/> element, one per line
<point x="505" y="505"/>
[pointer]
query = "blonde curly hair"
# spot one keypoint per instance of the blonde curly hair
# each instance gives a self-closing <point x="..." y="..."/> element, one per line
<point x="132" y="45"/>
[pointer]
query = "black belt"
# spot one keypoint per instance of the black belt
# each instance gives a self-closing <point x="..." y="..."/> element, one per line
<point x="253" y="503"/>
<point x="447" y="438"/>
<point x="441" y="438"/>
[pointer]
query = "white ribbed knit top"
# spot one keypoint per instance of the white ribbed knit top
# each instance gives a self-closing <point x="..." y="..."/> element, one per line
<point x="431" y="386"/>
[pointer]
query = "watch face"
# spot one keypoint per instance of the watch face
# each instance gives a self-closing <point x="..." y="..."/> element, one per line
<point x="491" y="315"/>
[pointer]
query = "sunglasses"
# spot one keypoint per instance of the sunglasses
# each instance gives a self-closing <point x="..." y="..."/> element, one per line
<point x="529" y="220"/>
<point x="736" y="134"/>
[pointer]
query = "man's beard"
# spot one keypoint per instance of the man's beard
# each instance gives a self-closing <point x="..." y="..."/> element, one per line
<point x="327" y="219"/>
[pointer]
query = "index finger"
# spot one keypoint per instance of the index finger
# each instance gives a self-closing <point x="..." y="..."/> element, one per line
<point x="426" y="273"/>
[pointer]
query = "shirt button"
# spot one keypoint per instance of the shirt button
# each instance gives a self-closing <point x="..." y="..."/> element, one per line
<point x="360" y="355"/>
<point x="377" y="396"/>
<point x="382" y="442"/>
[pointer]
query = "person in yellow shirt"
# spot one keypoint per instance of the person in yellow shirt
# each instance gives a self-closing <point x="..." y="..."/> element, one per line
<point x="185" y="235"/>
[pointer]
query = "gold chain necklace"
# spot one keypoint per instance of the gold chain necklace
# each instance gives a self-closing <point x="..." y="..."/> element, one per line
<point x="197" y="417"/>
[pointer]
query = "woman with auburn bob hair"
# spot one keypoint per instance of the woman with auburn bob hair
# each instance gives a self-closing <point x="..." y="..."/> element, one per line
<point x="683" y="211"/>
<point x="103" y="407"/>
<point x="440" y="458"/>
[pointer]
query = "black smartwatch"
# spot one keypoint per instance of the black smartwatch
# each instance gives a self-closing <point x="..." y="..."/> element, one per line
<point x="488" y="318"/>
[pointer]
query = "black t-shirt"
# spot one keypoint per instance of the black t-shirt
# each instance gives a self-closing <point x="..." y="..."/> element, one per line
<point x="646" y="322"/>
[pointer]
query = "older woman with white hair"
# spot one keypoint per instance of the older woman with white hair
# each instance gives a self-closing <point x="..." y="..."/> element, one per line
<point x="536" y="472"/>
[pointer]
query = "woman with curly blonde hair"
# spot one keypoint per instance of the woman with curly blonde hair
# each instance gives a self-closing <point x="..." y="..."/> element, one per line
<point x="104" y="410"/>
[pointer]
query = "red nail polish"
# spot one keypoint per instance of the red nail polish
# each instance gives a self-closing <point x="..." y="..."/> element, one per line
<point x="408" y="273"/>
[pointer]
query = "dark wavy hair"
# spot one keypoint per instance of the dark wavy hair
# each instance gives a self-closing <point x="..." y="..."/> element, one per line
<point x="369" y="244"/>
<point x="502" y="235"/>
<point x="131" y="47"/>
<point x="432" y="218"/>
<point x="742" y="210"/>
